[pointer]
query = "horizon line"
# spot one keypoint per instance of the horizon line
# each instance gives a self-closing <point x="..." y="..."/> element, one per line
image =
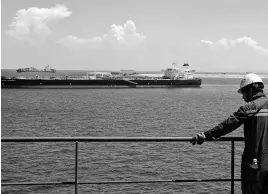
<point x="196" y="72"/>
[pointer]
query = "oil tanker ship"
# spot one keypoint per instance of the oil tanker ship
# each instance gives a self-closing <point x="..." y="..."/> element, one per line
<point x="172" y="78"/>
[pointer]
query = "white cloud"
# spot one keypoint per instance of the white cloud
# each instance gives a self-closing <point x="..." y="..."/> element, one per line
<point x="224" y="42"/>
<point x="207" y="42"/>
<point x="73" y="40"/>
<point x="248" y="41"/>
<point x="125" y="35"/>
<point x="31" y="25"/>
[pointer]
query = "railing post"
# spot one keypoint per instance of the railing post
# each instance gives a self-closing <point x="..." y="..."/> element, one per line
<point x="232" y="168"/>
<point x="76" y="167"/>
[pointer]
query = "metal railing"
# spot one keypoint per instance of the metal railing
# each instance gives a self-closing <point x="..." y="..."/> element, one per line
<point x="120" y="139"/>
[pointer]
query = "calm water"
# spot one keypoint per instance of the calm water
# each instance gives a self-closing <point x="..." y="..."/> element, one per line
<point x="119" y="112"/>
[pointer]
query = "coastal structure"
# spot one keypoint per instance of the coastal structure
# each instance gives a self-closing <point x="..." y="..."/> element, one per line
<point x="173" y="77"/>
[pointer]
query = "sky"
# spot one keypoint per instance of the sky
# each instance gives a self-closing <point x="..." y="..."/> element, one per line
<point x="144" y="35"/>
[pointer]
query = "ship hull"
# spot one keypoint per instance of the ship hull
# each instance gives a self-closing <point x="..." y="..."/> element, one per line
<point x="95" y="84"/>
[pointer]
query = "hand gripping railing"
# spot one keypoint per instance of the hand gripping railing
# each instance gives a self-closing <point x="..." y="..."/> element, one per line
<point x="119" y="139"/>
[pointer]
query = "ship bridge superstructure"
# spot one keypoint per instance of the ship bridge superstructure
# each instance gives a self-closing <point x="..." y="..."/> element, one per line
<point x="179" y="73"/>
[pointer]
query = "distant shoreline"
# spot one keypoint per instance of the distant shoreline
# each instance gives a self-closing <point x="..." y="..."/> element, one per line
<point x="153" y="71"/>
<point x="220" y="75"/>
<point x="12" y="72"/>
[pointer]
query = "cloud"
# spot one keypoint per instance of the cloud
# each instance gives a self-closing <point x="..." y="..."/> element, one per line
<point x="117" y="35"/>
<point x="248" y="41"/>
<point x="125" y="34"/>
<point x="207" y="42"/>
<point x="224" y="42"/>
<point x="73" y="40"/>
<point x="31" y="25"/>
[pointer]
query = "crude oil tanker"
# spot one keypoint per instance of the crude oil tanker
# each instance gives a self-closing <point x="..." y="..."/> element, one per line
<point x="173" y="77"/>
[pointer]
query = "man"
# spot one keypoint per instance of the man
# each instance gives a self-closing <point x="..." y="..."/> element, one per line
<point x="254" y="116"/>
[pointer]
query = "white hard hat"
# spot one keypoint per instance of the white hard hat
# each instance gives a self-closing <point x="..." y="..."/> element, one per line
<point x="249" y="79"/>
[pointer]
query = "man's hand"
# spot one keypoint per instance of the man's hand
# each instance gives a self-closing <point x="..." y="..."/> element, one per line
<point x="198" y="138"/>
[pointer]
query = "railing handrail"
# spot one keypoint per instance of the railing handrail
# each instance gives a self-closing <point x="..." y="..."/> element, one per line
<point x="119" y="139"/>
<point x="108" y="139"/>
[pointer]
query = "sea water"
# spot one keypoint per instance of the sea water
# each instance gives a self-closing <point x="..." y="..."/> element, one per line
<point x="163" y="112"/>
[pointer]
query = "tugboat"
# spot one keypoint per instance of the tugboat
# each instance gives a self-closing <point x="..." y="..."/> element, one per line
<point x="32" y="69"/>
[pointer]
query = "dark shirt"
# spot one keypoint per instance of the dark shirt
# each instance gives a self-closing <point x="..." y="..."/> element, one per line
<point x="254" y="116"/>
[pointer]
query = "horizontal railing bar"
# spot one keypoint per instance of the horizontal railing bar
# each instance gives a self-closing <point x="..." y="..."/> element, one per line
<point x="159" y="181"/>
<point x="38" y="183"/>
<point x="108" y="139"/>
<point x="120" y="182"/>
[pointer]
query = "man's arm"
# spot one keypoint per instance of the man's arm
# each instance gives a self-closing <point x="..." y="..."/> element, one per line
<point x="226" y="126"/>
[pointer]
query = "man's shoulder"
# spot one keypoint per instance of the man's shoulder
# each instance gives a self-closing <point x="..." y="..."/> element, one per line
<point x="259" y="102"/>
<point x="254" y="105"/>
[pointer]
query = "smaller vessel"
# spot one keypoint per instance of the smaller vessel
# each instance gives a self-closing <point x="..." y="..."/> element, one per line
<point x="32" y="69"/>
